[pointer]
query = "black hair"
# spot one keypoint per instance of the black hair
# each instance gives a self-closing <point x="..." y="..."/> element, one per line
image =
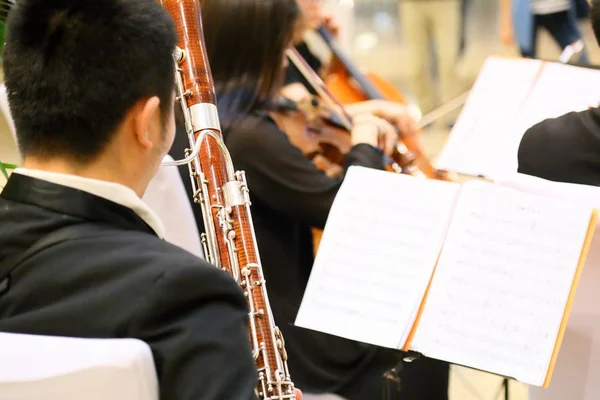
<point x="74" y="68"/>
<point x="246" y="42"/>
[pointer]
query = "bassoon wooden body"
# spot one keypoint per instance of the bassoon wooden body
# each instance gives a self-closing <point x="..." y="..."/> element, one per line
<point x="229" y="242"/>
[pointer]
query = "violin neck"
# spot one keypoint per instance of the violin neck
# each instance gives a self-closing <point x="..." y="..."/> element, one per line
<point x="368" y="89"/>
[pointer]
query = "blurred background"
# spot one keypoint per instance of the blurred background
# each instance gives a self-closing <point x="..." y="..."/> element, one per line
<point x="371" y="33"/>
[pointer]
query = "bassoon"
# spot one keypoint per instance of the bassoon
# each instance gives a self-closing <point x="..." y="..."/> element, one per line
<point x="229" y="241"/>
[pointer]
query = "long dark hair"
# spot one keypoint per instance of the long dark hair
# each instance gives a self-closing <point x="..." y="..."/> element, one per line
<point x="246" y="42"/>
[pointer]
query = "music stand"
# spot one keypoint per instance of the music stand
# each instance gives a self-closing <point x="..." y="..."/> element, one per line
<point x="391" y="378"/>
<point x="505" y="386"/>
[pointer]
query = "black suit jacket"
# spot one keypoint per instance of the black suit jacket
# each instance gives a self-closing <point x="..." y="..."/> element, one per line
<point x="124" y="282"/>
<point x="564" y="149"/>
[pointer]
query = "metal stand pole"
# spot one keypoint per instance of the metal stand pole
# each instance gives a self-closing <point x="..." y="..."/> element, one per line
<point x="391" y="381"/>
<point x="505" y="384"/>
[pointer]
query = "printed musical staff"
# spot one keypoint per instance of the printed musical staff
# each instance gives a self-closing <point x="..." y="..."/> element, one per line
<point x="476" y="143"/>
<point x="502" y="282"/>
<point x="376" y="256"/>
<point x="501" y="261"/>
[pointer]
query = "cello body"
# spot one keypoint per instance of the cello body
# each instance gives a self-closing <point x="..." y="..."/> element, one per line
<point x="340" y="84"/>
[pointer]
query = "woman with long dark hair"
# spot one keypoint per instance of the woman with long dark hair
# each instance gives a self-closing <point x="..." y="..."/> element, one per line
<point x="246" y="42"/>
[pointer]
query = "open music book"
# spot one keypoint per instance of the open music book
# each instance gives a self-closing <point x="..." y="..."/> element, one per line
<point x="476" y="274"/>
<point x="510" y="96"/>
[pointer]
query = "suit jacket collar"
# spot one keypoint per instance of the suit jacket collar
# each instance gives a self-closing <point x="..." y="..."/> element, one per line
<point x="77" y="203"/>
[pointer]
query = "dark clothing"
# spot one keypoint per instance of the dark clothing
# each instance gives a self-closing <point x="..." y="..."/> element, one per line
<point x="581" y="8"/>
<point x="123" y="282"/>
<point x="564" y="149"/>
<point x="290" y="195"/>
<point x="293" y="74"/>
<point x="180" y="144"/>
<point x="563" y="28"/>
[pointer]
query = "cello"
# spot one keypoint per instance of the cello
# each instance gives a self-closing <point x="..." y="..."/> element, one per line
<point x="350" y="85"/>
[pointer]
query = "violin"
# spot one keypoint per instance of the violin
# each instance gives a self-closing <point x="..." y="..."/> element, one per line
<point x="350" y="85"/>
<point x="322" y="139"/>
<point x="325" y="139"/>
<point x="326" y="125"/>
<point x="321" y="128"/>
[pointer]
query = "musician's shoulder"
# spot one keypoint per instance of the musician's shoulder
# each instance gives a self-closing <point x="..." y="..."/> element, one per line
<point x="153" y="256"/>
<point x="176" y="271"/>
<point x="566" y="127"/>
<point x="559" y="144"/>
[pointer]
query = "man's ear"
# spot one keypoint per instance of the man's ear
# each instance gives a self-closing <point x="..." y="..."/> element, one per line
<point x="148" y="111"/>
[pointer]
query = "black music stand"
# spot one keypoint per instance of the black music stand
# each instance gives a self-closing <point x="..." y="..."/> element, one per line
<point x="505" y="386"/>
<point x="391" y="380"/>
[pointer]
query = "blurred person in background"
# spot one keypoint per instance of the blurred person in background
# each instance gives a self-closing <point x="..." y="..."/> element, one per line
<point x="521" y="19"/>
<point x="437" y="22"/>
<point x="565" y="149"/>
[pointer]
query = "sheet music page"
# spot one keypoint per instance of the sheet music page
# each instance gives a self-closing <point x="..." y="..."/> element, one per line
<point x="500" y="289"/>
<point x="489" y="115"/>
<point x="585" y="195"/>
<point x="578" y="363"/>
<point x="588" y="296"/>
<point x="560" y="89"/>
<point x="380" y="245"/>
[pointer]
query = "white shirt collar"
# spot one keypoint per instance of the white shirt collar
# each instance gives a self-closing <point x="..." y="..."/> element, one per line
<point x="114" y="192"/>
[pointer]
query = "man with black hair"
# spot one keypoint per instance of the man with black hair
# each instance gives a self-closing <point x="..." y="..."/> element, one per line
<point x="91" y="91"/>
<point x="567" y="148"/>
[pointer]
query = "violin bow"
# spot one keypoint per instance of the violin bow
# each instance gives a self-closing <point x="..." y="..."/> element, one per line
<point x="317" y="83"/>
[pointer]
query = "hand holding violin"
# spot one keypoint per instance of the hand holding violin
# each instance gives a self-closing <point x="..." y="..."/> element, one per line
<point x="375" y="131"/>
<point x="395" y="113"/>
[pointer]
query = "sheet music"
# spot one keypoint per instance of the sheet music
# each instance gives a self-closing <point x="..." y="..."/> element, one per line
<point x="585" y="195"/>
<point x="499" y="292"/>
<point x="376" y="256"/>
<point x="578" y="363"/>
<point x="588" y="296"/>
<point x="489" y="115"/>
<point x="560" y="89"/>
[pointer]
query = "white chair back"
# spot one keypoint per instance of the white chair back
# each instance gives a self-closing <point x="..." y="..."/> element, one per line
<point x="167" y="197"/>
<point x="34" y="367"/>
<point x="578" y="364"/>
